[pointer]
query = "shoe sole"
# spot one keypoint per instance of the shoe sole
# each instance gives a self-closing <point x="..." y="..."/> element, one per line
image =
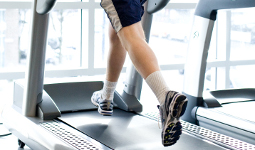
<point x="173" y="129"/>
<point x="102" y="112"/>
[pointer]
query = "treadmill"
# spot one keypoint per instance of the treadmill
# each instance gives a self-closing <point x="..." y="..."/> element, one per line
<point x="224" y="111"/>
<point x="60" y="116"/>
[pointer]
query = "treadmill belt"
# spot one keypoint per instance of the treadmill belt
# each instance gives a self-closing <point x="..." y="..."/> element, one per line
<point x="128" y="131"/>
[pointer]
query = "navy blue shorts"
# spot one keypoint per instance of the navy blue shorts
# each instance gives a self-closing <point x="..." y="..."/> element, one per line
<point x="122" y="13"/>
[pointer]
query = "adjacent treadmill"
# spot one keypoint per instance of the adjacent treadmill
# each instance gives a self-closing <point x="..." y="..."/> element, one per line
<point x="60" y="116"/>
<point x="224" y="111"/>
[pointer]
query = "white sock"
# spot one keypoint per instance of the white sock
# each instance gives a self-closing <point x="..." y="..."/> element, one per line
<point x="108" y="90"/>
<point x="158" y="85"/>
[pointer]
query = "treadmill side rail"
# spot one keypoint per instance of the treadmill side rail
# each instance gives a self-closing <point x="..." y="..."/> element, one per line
<point x="156" y="5"/>
<point x="24" y="128"/>
<point x="56" y="135"/>
<point x="208" y="8"/>
<point x="35" y="70"/>
<point x="221" y="122"/>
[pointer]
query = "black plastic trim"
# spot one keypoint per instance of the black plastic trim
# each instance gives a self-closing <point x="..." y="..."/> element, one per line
<point x="44" y="6"/>
<point x="191" y="108"/>
<point x="156" y="5"/>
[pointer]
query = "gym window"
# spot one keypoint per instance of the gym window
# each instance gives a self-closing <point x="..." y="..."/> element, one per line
<point x="78" y="42"/>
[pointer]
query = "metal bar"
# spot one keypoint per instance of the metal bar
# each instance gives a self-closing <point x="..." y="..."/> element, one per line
<point x="35" y="73"/>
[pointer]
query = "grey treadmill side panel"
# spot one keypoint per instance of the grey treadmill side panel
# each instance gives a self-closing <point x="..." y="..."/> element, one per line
<point x="197" y="55"/>
<point x="156" y="5"/>
<point x="35" y="73"/>
<point x="196" y="64"/>
<point x="208" y="8"/>
<point x="234" y="95"/>
<point x="191" y="109"/>
<point x="18" y="94"/>
<point x="127" y="102"/>
<point x="44" y="6"/>
<point x="73" y="96"/>
<point x="134" y="82"/>
<point x="46" y="109"/>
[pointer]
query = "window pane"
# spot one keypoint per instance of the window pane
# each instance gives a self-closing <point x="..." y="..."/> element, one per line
<point x="170" y="35"/>
<point x="209" y="82"/>
<point x="64" y="39"/>
<point x="101" y="39"/>
<point x="212" y="53"/>
<point x="85" y="38"/>
<point x="12" y="25"/>
<point x="242" y="76"/>
<point x="64" y="36"/>
<point x="242" y="34"/>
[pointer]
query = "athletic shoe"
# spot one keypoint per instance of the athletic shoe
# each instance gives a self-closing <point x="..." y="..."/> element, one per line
<point x="170" y="112"/>
<point x="105" y="107"/>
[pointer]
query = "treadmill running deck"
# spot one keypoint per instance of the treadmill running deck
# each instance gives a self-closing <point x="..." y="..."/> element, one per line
<point x="129" y="131"/>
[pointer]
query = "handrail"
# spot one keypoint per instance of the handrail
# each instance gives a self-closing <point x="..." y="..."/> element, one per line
<point x="44" y="6"/>
<point x="208" y="8"/>
<point x="156" y="5"/>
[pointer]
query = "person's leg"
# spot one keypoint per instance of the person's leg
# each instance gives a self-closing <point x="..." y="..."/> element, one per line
<point x="133" y="40"/>
<point x="115" y="61"/>
<point x="116" y="57"/>
<point x="172" y="104"/>
<point x="129" y="29"/>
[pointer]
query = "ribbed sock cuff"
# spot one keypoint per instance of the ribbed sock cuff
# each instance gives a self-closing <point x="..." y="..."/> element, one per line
<point x="108" y="90"/>
<point x="158" y="85"/>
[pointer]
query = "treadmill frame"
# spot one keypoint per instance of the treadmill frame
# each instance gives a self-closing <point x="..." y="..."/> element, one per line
<point x="27" y="125"/>
<point x="200" y="108"/>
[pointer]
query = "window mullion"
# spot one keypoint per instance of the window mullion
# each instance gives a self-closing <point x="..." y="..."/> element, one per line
<point x="91" y="38"/>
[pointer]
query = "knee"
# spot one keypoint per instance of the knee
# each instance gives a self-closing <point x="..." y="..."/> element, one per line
<point x="113" y="37"/>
